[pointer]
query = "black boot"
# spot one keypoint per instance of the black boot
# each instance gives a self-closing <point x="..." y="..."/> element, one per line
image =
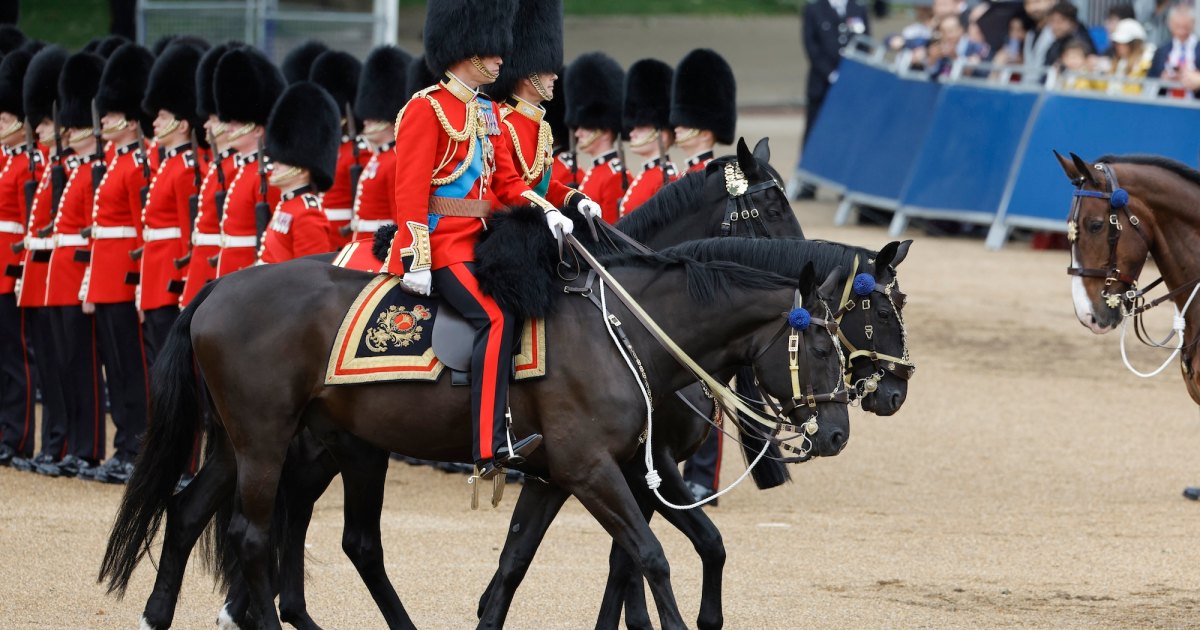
<point x="520" y="450"/>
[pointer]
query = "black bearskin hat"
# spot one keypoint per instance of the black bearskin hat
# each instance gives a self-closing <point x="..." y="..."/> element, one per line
<point x="77" y="85"/>
<point x="594" y="84"/>
<point x="381" y="86"/>
<point x="246" y="86"/>
<point x="107" y="46"/>
<point x="419" y="77"/>
<point x="556" y="111"/>
<point x="537" y="45"/>
<point x="337" y="71"/>
<point x="12" y="79"/>
<point x="205" y="104"/>
<point x="40" y="87"/>
<point x="167" y="41"/>
<point x="704" y="95"/>
<point x="172" y="84"/>
<point x="458" y="29"/>
<point x="305" y="130"/>
<point x="297" y="64"/>
<point x="647" y="95"/>
<point x="123" y="83"/>
<point x="11" y="38"/>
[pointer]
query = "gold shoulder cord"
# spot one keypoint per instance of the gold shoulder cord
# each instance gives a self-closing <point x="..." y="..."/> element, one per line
<point x="541" y="158"/>
<point x="469" y="130"/>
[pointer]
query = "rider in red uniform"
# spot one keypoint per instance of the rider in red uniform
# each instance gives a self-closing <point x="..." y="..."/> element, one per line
<point x="455" y="157"/>
<point x="593" y="85"/>
<point x="339" y="72"/>
<point x="646" y="115"/>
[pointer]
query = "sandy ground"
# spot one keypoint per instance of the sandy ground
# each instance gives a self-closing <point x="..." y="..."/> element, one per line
<point x="1029" y="481"/>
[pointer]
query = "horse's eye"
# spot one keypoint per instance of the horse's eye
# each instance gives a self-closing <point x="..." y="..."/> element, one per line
<point x="884" y="315"/>
<point x="1094" y="226"/>
<point x="822" y="353"/>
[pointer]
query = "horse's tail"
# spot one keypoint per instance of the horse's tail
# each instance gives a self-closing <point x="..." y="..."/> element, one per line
<point x="166" y="450"/>
<point x="769" y="472"/>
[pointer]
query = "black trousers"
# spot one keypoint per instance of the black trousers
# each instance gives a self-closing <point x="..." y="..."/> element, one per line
<point x="491" y="354"/>
<point x="55" y="423"/>
<point x="156" y="326"/>
<point x="16" y="378"/>
<point x="76" y="367"/>
<point x="123" y="353"/>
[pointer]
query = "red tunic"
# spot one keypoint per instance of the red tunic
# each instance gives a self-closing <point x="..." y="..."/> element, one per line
<point x="298" y="228"/>
<point x="206" y="234"/>
<point x="166" y="229"/>
<point x="475" y="165"/>
<point x="699" y="162"/>
<point x="65" y="275"/>
<point x="336" y="200"/>
<point x="239" y="247"/>
<point x="375" y="203"/>
<point x="565" y="172"/>
<point x="35" y="261"/>
<point x="532" y="147"/>
<point x="13" y="177"/>
<point x="648" y="182"/>
<point x="605" y="184"/>
<point x="116" y="228"/>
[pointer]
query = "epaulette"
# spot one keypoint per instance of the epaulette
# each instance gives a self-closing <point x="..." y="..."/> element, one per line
<point x="189" y="159"/>
<point x="615" y="165"/>
<point x="139" y="157"/>
<point x="37" y="157"/>
<point x="311" y="201"/>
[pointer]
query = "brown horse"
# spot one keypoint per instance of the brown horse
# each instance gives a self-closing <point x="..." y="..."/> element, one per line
<point x="284" y="318"/>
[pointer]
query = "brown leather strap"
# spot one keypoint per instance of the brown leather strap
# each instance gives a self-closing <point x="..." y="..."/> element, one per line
<point x="450" y="207"/>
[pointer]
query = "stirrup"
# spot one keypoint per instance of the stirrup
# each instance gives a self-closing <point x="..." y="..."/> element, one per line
<point x="520" y="450"/>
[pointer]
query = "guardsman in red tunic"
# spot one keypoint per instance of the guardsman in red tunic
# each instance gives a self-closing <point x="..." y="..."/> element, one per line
<point x="166" y="220"/>
<point x="594" y="85"/>
<point x="338" y="72"/>
<point x="77" y="353"/>
<point x="201" y="260"/>
<point x="703" y="106"/>
<point x="566" y="169"/>
<point x="23" y="165"/>
<point x="303" y="135"/>
<point x="245" y="86"/>
<point x="454" y="156"/>
<point x="381" y="95"/>
<point x="527" y="81"/>
<point x="110" y="286"/>
<point x="646" y="116"/>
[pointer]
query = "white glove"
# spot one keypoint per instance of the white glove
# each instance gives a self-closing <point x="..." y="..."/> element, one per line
<point x="418" y="282"/>
<point x="587" y="207"/>
<point x="556" y="221"/>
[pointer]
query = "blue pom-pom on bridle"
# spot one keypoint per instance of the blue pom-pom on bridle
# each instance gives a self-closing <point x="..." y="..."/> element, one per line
<point x="864" y="284"/>
<point x="799" y="318"/>
<point x="1119" y="198"/>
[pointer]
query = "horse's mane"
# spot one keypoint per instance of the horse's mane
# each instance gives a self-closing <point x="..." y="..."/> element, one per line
<point x="1179" y="168"/>
<point x="706" y="280"/>
<point x="674" y="200"/>
<point x="781" y="256"/>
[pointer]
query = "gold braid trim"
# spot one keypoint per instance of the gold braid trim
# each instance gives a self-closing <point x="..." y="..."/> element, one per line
<point x="542" y="157"/>
<point x="538" y="201"/>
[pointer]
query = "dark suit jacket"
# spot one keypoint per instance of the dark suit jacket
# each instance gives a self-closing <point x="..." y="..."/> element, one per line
<point x="1159" y="62"/>
<point x="825" y="34"/>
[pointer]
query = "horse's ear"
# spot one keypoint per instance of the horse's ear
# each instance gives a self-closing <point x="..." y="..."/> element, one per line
<point x="746" y="160"/>
<point x="762" y="150"/>
<point x="808" y="279"/>
<point x="901" y="252"/>
<point x="1068" y="167"/>
<point x="885" y="257"/>
<point x="1085" y="169"/>
<point x="828" y="289"/>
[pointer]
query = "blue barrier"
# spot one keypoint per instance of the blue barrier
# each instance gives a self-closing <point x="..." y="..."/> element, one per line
<point x="1038" y="195"/>
<point x="973" y="140"/>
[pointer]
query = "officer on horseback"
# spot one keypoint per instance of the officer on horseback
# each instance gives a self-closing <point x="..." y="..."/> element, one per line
<point x="455" y="160"/>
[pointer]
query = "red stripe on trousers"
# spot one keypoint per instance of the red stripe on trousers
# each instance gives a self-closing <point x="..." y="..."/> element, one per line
<point x="491" y="358"/>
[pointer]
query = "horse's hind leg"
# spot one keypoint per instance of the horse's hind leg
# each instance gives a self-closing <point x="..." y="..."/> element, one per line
<point x="536" y="508"/>
<point x="307" y="472"/>
<point x="259" y="469"/>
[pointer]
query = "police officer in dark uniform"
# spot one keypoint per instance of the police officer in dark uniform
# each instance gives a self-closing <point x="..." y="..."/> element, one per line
<point x="826" y="28"/>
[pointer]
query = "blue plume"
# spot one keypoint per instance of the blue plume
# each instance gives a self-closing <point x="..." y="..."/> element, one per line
<point x="1119" y="198"/>
<point x="799" y="319"/>
<point x="864" y="284"/>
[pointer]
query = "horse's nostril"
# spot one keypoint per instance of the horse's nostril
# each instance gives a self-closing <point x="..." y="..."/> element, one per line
<point x="837" y="440"/>
<point x="897" y="400"/>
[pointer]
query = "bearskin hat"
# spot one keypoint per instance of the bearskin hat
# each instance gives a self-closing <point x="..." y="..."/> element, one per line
<point x="245" y="86"/>
<point x="647" y="95"/>
<point x="537" y="45"/>
<point x="594" y="84"/>
<point x="109" y="45"/>
<point x="458" y="29"/>
<point x="337" y="71"/>
<point x="166" y="41"/>
<point x="381" y="86"/>
<point x="205" y="105"/>
<point x="12" y="79"/>
<point x="419" y="77"/>
<point x="305" y="130"/>
<point x="297" y="64"/>
<point x="556" y="112"/>
<point x="40" y="87"/>
<point x="123" y="82"/>
<point x="77" y="86"/>
<point x="33" y="46"/>
<point x="704" y="95"/>
<point x="172" y="84"/>
<point x="11" y="38"/>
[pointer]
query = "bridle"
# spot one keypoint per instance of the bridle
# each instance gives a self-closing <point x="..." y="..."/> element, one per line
<point x="1118" y="206"/>
<point x="740" y="209"/>
<point x="857" y="294"/>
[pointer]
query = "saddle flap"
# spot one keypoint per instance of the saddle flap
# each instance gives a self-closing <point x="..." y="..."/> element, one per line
<point x="452" y="339"/>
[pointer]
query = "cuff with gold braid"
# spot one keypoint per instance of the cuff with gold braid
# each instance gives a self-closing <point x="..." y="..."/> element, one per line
<point x="574" y="198"/>
<point x="416" y="257"/>
<point x="538" y="201"/>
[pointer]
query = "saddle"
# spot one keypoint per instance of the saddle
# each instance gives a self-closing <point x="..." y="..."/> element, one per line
<point x="391" y="335"/>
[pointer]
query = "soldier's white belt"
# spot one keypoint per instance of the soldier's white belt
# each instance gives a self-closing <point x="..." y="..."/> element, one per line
<point x="103" y="232"/>
<point x="69" y="240"/>
<point x="38" y="244"/>
<point x="12" y="227"/>
<point x="338" y="214"/>
<point x="202" y="239"/>
<point x="360" y="225"/>
<point x="161" y="234"/>
<point x="239" y="241"/>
